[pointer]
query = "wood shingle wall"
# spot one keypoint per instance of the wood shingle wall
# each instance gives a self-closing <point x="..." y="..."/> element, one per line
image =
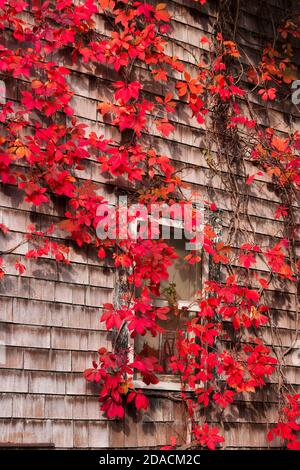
<point x="50" y="325"/>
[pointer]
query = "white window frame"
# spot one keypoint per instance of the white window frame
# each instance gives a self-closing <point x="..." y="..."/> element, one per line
<point x="165" y="383"/>
<point x="2" y="92"/>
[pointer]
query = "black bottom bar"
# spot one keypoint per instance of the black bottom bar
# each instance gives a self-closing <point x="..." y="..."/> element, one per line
<point x="131" y="459"/>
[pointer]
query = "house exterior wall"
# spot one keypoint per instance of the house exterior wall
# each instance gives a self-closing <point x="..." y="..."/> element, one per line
<point x="50" y="325"/>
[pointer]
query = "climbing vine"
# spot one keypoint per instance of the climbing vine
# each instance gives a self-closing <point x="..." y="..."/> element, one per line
<point x="221" y="351"/>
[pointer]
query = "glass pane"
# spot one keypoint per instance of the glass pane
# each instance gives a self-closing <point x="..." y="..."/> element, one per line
<point x="185" y="279"/>
<point x="163" y="346"/>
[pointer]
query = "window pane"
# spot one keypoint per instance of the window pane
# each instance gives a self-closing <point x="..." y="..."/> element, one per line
<point x="163" y="346"/>
<point x="185" y="279"/>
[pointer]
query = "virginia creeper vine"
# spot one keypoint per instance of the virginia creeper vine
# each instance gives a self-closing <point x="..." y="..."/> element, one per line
<point x="45" y="149"/>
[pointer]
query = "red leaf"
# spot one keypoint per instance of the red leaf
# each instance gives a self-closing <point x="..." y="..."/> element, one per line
<point x="268" y="94"/>
<point x="161" y="13"/>
<point x="295" y="445"/>
<point x="141" y="401"/>
<point x="250" y="179"/>
<point x="35" y="194"/>
<point x="280" y="144"/>
<point x="101" y="253"/>
<point x="224" y="399"/>
<point x="114" y="410"/>
<point x="131" y="396"/>
<point x="107" y="4"/>
<point x="20" y="267"/>
<point x="164" y="127"/>
<point x="3" y="228"/>
<point x="127" y="91"/>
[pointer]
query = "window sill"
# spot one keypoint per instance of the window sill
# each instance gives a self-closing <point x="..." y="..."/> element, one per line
<point x="163" y="385"/>
<point x="181" y="304"/>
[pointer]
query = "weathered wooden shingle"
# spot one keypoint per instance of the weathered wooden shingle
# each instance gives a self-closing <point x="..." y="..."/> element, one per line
<point x="50" y="328"/>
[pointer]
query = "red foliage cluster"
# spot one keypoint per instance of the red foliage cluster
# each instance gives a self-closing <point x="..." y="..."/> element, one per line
<point x="45" y="149"/>
<point x="117" y="389"/>
<point x="288" y="427"/>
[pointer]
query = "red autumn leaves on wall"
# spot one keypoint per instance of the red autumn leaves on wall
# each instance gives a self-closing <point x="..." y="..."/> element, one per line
<point x="46" y="150"/>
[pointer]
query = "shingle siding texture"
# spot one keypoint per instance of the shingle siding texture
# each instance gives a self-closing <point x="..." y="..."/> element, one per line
<point x="50" y="316"/>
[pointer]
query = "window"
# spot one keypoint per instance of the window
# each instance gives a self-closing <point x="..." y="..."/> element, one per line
<point x="184" y="281"/>
<point x="181" y="288"/>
